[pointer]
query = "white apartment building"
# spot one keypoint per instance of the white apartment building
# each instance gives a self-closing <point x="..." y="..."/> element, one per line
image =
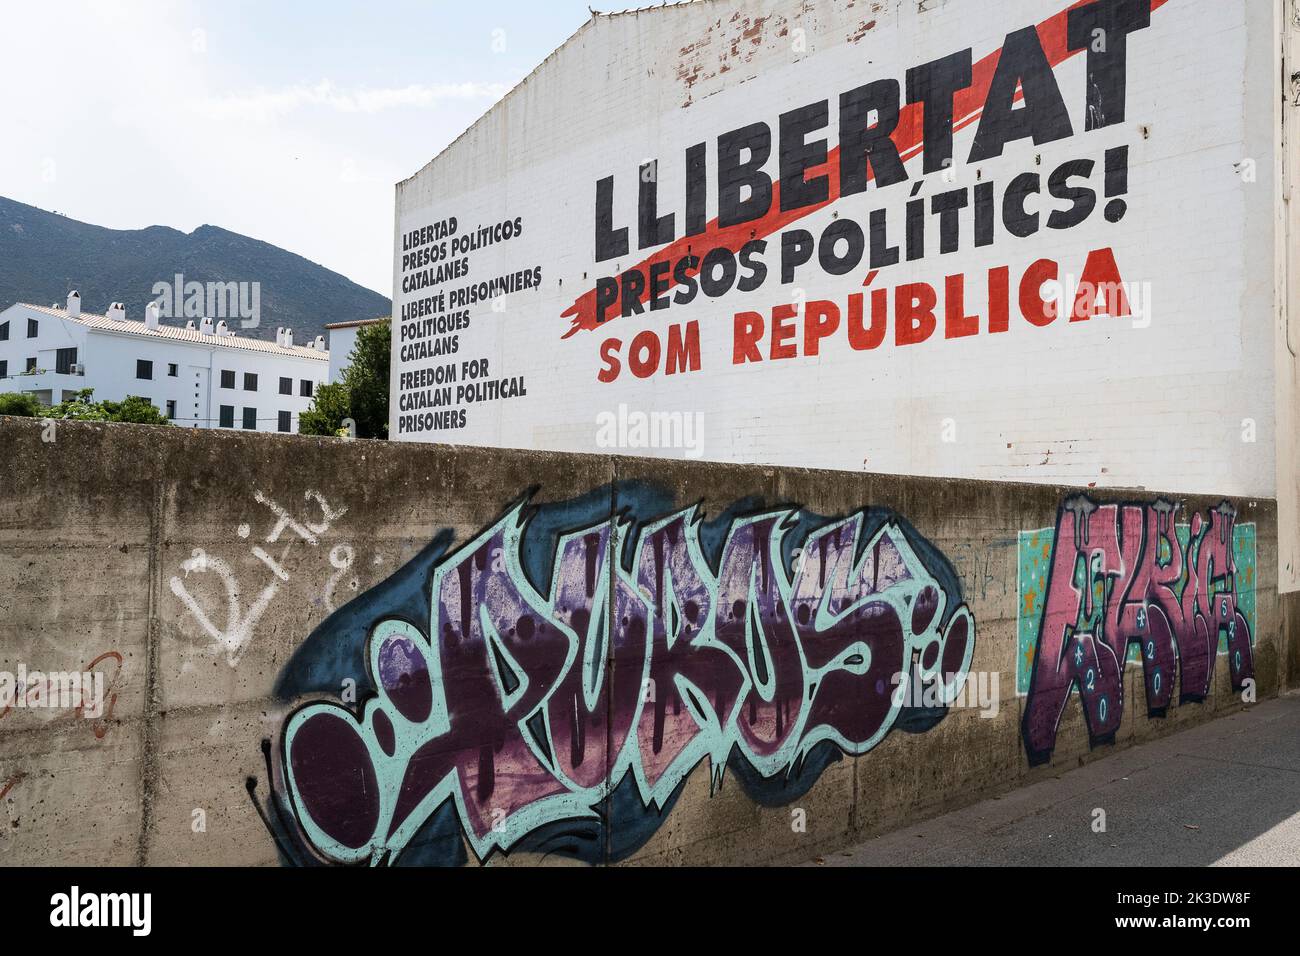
<point x="343" y="339"/>
<point x="201" y="376"/>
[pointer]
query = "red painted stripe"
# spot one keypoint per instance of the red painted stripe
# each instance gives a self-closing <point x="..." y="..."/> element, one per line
<point x="968" y="103"/>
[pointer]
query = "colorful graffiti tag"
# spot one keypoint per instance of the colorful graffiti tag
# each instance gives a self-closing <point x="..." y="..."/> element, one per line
<point x="1121" y="582"/>
<point x="551" y="683"/>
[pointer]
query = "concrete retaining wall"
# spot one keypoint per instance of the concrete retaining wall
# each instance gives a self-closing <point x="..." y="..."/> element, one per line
<point x="260" y="610"/>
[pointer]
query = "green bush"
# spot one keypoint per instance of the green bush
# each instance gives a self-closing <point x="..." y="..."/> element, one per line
<point x="20" y="403"/>
<point x="135" y="409"/>
<point x="83" y="407"/>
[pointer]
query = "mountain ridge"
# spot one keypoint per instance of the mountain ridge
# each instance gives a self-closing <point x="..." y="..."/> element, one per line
<point x="44" y="255"/>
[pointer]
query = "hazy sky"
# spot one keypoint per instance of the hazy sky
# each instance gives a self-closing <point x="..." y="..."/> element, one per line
<point x="288" y="121"/>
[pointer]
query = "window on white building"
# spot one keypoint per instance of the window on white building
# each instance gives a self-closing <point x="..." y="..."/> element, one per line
<point x="227" y="419"/>
<point x="286" y="421"/>
<point x="143" y="368"/>
<point x="172" y="370"/>
<point x="4" y="331"/>
<point x="227" y="378"/>
<point x="250" y="418"/>
<point x="33" y="328"/>
<point x="171" y="408"/>
<point x="4" y="369"/>
<point x="64" y="359"/>
<point x="286" y="385"/>
<point x="31" y="364"/>
<point x="250" y="382"/>
<point x="304" y="388"/>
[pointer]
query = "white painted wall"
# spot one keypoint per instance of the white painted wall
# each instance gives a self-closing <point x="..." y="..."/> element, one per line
<point x="1103" y="402"/>
<point x="109" y="360"/>
<point x="1287" y="283"/>
<point x="18" y="349"/>
<point x="341" y="343"/>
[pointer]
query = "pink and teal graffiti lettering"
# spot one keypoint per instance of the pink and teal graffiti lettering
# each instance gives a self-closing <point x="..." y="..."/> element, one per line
<point x="1121" y="576"/>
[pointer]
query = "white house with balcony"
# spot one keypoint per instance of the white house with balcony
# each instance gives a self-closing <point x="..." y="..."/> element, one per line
<point x="204" y="375"/>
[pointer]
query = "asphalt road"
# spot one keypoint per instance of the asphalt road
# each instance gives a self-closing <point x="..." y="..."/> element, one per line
<point x="1226" y="793"/>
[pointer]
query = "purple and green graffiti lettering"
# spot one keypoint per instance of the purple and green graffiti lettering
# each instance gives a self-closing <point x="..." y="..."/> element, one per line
<point x="564" y="677"/>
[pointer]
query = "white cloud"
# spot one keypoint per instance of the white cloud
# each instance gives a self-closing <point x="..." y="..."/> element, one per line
<point x="119" y="120"/>
<point x="266" y="105"/>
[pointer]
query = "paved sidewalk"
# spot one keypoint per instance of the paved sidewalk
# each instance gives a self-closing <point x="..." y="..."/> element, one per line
<point x="1225" y="793"/>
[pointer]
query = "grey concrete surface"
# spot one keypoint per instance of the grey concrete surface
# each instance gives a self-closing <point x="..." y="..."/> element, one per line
<point x="1224" y="793"/>
<point x="132" y="551"/>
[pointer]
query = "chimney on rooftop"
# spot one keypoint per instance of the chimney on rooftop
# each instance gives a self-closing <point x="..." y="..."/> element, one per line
<point x="222" y="328"/>
<point x="288" y="338"/>
<point x="74" y="303"/>
<point x="189" y="324"/>
<point x="116" y="311"/>
<point x="319" y="343"/>
<point x="151" y="315"/>
<point x="205" y="327"/>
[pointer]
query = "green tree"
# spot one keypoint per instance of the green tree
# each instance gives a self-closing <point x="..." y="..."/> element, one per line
<point x="20" y="403"/>
<point x="328" y="409"/>
<point x="362" y="395"/>
<point x="367" y="379"/>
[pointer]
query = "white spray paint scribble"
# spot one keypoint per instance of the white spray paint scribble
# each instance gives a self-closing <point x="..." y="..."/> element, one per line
<point x="237" y="632"/>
